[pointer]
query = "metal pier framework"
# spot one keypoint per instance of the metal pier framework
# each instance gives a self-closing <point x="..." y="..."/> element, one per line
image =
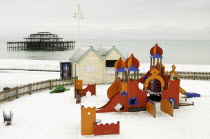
<point x="42" y="41"/>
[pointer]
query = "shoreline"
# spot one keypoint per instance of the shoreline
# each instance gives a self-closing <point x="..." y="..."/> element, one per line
<point x="54" y="66"/>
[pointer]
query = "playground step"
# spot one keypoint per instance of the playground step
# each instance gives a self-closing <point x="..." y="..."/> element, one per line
<point x="189" y="95"/>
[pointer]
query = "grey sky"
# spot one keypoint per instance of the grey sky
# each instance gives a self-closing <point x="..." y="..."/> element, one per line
<point x="108" y="19"/>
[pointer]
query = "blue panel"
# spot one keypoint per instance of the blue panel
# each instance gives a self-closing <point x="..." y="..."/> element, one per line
<point x="133" y="101"/>
<point x="192" y="94"/>
<point x="148" y="100"/>
<point x="133" y="68"/>
<point x="120" y="70"/>
<point x="172" y="99"/>
<point x="145" y="77"/>
<point x="123" y="93"/>
<point x="156" y="56"/>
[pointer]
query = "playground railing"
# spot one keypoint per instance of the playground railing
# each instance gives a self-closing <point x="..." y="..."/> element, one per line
<point x="19" y="91"/>
<point x="182" y="75"/>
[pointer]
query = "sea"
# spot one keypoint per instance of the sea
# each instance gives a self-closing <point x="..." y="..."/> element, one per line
<point x="174" y="51"/>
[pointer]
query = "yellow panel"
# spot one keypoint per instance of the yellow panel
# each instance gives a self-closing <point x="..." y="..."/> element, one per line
<point x="173" y="72"/>
<point x="166" y="107"/>
<point x="77" y="87"/>
<point x="124" y="87"/>
<point x="154" y="75"/>
<point x="151" y="109"/>
<point x="181" y="90"/>
<point x="78" y="84"/>
<point x="88" y="117"/>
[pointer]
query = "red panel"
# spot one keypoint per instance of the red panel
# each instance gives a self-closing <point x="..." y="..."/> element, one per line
<point x="172" y="91"/>
<point x="134" y="91"/>
<point x="165" y="78"/>
<point x="91" y="88"/>
<point x="106" y="129"/>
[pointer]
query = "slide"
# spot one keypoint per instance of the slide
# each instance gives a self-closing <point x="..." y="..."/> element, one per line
<point x="108" y="103"/>
<point x="114" y="88"/>
<point x="110" y="106"/>
<point x="188" y="94"/>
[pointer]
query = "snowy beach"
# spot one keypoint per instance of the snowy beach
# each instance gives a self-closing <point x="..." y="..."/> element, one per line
<point x="44" y="115"/>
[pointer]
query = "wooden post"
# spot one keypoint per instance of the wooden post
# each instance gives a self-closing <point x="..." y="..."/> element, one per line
<point x="50" y="82"/>
<point x="30" y="89"/>
<point x="134" y="75"/>
<point x="137" y="75"/>
<point x="123" y="76"/>
<point x="116" y="74"/>
<point x="160" y="66"/>
<point x="153" y="62"/>
<point x="95" y="89"/>
<point x="128" y="76"/>
<point x="17" y="92"/>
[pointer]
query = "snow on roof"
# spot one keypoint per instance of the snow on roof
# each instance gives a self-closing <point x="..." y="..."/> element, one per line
<point x="80" y="53"/>
<point x="104" y="50"/>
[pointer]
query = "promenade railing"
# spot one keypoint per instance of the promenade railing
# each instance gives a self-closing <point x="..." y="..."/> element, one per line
<point x="183" y="75"/>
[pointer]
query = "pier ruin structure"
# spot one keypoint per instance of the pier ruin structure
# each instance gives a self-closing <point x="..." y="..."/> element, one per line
<point x="42" y="41"/>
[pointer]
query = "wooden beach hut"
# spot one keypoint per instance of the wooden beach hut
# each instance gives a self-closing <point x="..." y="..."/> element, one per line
<point x="95" y="66"/>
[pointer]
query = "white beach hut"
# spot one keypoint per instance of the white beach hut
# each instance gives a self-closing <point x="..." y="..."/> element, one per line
<point x="95" y="66"/>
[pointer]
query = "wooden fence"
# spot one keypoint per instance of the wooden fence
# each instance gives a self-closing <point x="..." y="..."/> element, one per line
<point x="185" y="75"/>
<point x="19" y="91"/>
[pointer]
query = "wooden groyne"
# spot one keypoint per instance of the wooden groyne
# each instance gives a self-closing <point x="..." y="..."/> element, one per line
<point x="42" y="41"/>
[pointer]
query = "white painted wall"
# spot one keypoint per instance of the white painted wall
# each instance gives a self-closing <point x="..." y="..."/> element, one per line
<point x="109" y="78"/>
<point x="90" y="69"/>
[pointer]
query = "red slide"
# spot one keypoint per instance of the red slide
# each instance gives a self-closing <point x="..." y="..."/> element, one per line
<point x="110" y="106"/>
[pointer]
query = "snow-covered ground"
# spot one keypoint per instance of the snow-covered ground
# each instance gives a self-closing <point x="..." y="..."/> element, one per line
<point x="44" y="115"/>
<point x="13" y="78"/>
<point x="55" y="65"/>
<point x="30" y="64"/>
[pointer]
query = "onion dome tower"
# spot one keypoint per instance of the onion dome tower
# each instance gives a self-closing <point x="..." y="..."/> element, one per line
<point x="156" y="58"/>
<point x="132" y="65"/>
<point x="120" y="68"/>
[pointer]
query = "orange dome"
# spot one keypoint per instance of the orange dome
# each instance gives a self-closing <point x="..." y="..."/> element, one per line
<point x="132" y="61"/>
<point x="156" y="49"/>
<point x="119" y="63"/>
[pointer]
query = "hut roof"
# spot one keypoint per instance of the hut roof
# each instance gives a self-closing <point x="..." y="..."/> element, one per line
<point x="80" y="53"/>
<point x="102" y="52"/>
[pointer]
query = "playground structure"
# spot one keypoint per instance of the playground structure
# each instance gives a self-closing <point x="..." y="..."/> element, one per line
<point x="125" y="95"/>
<point x="79" y="92"/>
<point x="8" y="118"/>
<point x="90" y="126"/>
<point x="59" y="89"/>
